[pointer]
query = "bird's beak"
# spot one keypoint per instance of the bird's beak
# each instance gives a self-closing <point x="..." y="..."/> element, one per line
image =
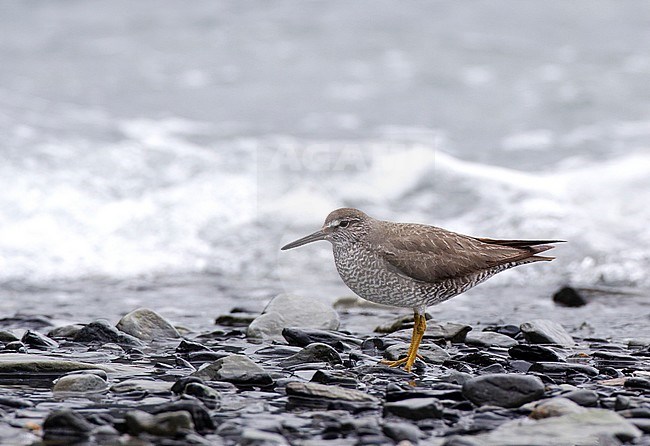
<point x="318" y="235"/>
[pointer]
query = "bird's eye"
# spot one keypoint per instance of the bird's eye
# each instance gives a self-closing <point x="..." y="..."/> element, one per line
<point x="344" y="224"/>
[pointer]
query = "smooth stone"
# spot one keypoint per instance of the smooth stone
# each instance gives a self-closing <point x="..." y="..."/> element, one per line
<point x="555" y="407"/>
<point x="16" y="346"/>
<point x="449" y="331"/>
<point x="555" y="368"/>
<point x="569" y="297"/>
<point x="303" y="337"/>
<point x="533" y="353"/>
<point x="489" y="339"/>
<point x="65" y="424"/>
<point x="637" y="383"/>
<point x="167" y="424"/>
<point x="201" y="419"/>
<point x="80" y="383"/>
<point x="65" y="331"/>
<point x="237" y="369"/>
<point x="400" y="323"/>
<point x="322" y="391"/>
<point x="343" y="378"/>
<point x="256" y="437"/>
<point x="186" y="346"/>
<point x="401" y="432"/>
<point x="16" y="403"/>
<point x="210" y="397"/>
<point x="637" y="343"/>
<point x="142" y="385"/>
<point x="544" y="331"/>
<point x="38" y="364"/>
<point x="415" y="408"/>
<point x="451" y="392"/>
<point x="642" y="423"/>
<point x="593" y="427"/>
<point x="7" y="336"/>
<point x="583" y="397"/>
<point x="102" y="332"/>
<point x="431" y="353"/>
<point x="147" y="325"/>
<point x="508" y="330"/>
<point x="38" y="341"/>
<point x="503" y="390"/>
<point x="288" y="310"/>
<point x="316" y="352"/>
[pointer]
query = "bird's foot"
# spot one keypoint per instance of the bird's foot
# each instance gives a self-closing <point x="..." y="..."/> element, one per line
<point x="401" y="361"/>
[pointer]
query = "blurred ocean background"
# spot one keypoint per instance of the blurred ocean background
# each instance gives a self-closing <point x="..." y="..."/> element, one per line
<point x="175" y="146"/>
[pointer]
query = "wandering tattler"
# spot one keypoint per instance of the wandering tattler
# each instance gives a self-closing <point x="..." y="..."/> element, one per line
<point x="413" y="265"/>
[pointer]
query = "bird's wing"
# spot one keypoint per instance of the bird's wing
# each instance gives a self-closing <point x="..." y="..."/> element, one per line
<point x="431" y="254"/>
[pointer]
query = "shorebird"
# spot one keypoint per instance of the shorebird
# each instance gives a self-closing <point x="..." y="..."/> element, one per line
<point x="415" y="265"/>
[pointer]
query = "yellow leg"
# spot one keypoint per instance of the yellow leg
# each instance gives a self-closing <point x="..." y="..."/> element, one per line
<point x="419" y="327"/>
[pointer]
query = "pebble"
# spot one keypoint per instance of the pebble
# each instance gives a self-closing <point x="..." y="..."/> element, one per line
<point x="555" y="407"/>
<point x="489" y="339"/>
<point x="400" y="432"/>
<point x="544" y="331"/>
<point x="38" y="364"/>
<point x="65" y="331"/>
<point x="449" y="331"/>
<point x="38" y="341"/>
<point x="102" y="332"/>
<point x="637" y="383"/>
<point x="237" y="369"/>
<point x="256" y="437"/>
<point x="65" y="426"/>
<point x="167" y="424"/>
<point x="288" y="310"/>
<point x="583" y="397"/>
<point x="415" y="408"/>
<point x="328" y="397"/>
<point x="147" y="325"/>
<point x="142" y="385"/>
<point x="316" y="352"/>
<point x="304" y="337"/>
<point x="534" y="353"/>
<point x="555" y="368"/>
<point x="80" y="383"/>
<point x="569" y="297"/>
<point x="503" y="390"/>
<point x="235" y="319"/>
<point x="7" y="336"/>
<point x="201" y="419"/>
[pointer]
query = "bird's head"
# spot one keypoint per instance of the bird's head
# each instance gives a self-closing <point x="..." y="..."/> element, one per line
<point x="345" y="225"/>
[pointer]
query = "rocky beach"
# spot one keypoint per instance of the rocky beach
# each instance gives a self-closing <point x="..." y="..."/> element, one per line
<point x="298" y="372"/>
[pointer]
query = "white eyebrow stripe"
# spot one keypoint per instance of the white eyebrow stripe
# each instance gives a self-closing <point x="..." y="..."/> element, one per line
<point x="333" y="223"/>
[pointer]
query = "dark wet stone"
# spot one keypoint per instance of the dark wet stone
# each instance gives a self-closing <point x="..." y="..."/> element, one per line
<point x="480" y="358"/>
<point x="257" y="437"/>
<point x="402" y="432"/>
<point x="186" y="346"/>
<point x="504" y="390"/>
<point x="489" y="339"/>
<point x="206" y="356"/>
<point x="635" y="412"/>
<point x="7" y="336"/>
<point x="16" y="346"/>
<point x="544" y="331"/>
<point x="239" y="319"/>
<point x="304" y="337"/>
<point x="338" y="377"/>
<point x="614" y="359"/>
<point x="28" y="321"/>
<point x="415" y="408"/>
<point x="621" y="402"/>
<point x="38" y="341"/>
<point x="400" y="323"/>
<point x="431" y="353"/>
<point x="637" y="383"/>
<point x="237" y="369"/>
<point x="201" y="419"/>
<point x="35" y="364"/>
<point x="80" y="383"/>
<point x="287" y="310"/>
<point x="375" y="346"/>
<point x="147" y="325"/>
<point x="65" y="331"/>
<point x="519" y="366"/>
<point x="316" y="352"/>
<point x="179" y="385"/>
<point x="16" y="403"/>
<point x="569" y="297"/>
<point x="533" y="353"/>
<point x="643" y="424"/>
<point x="449" y="331"/>
<point x="583" y="397"/>
<point x="167" y="424"/>
<point x="102" y="332"/>
<point x="149" y="386"/>
<point x="508" y="330"/>
<point x="322" y="396"/>
<point x="561" y="368"/>
<point x="65" y="424"/>
<point x="210" y="397"/>
<point x="491" y="369"/>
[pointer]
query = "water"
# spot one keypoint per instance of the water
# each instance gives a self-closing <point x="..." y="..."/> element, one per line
<point x="162" y="144"/>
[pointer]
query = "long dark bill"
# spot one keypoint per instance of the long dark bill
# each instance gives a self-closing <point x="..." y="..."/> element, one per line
<point x="318" y="235"/>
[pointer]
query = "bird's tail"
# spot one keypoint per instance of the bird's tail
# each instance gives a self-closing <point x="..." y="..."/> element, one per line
<point x="534" y="247"/>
